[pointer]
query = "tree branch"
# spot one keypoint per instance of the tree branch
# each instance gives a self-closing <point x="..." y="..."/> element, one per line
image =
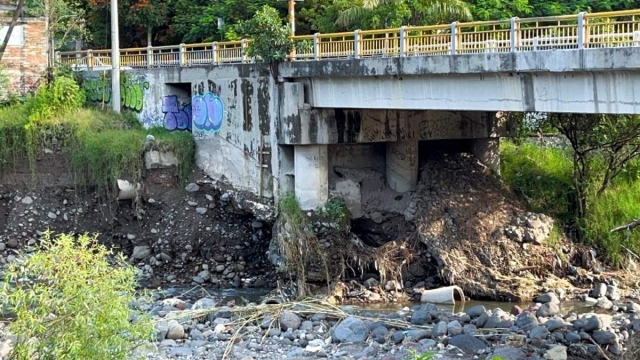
<point x="629" y="226"/>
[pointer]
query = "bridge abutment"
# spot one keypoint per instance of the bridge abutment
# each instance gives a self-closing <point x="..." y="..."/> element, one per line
<point x="402" y="165"/>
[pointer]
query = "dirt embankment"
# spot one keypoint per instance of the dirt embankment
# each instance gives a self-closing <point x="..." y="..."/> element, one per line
<point x="172" y="234"/>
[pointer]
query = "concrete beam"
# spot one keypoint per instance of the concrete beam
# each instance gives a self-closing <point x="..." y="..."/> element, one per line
<point x="555" y="61"/>
<point x="311" y="176"/>
<point x="402" y="165"/>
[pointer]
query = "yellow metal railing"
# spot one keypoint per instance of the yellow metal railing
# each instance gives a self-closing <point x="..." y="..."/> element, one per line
<point x="580" y="31"/>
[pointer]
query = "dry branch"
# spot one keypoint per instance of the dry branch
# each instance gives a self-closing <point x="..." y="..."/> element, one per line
<point x="629" y="226"/>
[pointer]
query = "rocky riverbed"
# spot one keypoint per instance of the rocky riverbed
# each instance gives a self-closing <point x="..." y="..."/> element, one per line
<point x="205" y="328"/>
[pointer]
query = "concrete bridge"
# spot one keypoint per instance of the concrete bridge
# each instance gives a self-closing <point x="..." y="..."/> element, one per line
<point x="371" y="102"/>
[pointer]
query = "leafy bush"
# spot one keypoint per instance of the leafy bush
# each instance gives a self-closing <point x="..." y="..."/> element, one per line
<point x="71" y="301"/>
<point x="335" y="210"/>
<point x="542" y="176"/>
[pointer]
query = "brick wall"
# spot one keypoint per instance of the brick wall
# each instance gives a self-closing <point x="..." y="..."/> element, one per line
<point x="25" y="64"/>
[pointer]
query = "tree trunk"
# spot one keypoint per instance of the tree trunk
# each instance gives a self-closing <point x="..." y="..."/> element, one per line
<point x="14" y="20"/>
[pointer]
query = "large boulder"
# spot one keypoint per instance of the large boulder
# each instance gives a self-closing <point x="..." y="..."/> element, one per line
<point x="350" y="329"/>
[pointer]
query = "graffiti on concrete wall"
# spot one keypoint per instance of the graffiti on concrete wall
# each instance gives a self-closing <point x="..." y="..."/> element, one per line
<point x="176" y="116"/>
<point x="207" y="110"/>
<point x="132" y="90"/>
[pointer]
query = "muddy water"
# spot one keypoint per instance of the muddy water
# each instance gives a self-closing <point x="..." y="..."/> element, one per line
<point x="245" y="296"/>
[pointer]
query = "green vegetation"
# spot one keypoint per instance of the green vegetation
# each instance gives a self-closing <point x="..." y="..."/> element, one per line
<point x="101" y="146"/>
<point x="71" y="301"/>
<point x="336" y="211"/>
<point x="298" y="243"/>
<point x="543" y="177"/>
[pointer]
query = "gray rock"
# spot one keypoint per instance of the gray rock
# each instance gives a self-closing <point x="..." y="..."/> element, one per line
<point x="203" y="304"/>
<point x="476" y="311"/>
<point x="604" y="303"/>
<point x="454" y="328"/>
<point x="274" y="332"/>
<point x="428" y="344"/>
<point x="380" y="332"/>
<point x="192" y="187"/>
<point x="196" y="334"/>
<point x="573" y="337"/>
<point x="397" y="337"/>
<point x="417" y="334"/>
<point x="289" y="320"/>
<point x="604" y="337"/>
<point x="599" y="291"/>
<point x="181" y="351"/>
<point x="27" y="200"/>
<point x="588" y="323"/>
<point x="162" y="328"/>
<point x="539" y="332"/>
<point x="470" y="329"/>
<point x="141" y="252"/>
<point x="549" y="297"/>
<point x="548" y="309"/>
<point x="52" y="215"/>
<point x="509" y="353"/>
<point x="306" y="325"/>
<point x="420" y="317"/>
<point x="176" y="331"/>
<point x="554" y="324"/>
<point x="526" y="318"/>
<point x="440" y="329"/>
<point x="612" y="293"/>
<point x="468" y="344"/>
<point x="464" y="318"/>
<point x="556" y="353"/>
<point x="201" y="210"/>
<point x="350" y="330"/>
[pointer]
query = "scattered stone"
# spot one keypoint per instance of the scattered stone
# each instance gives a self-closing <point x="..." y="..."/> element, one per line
<point x="141" y="252"/>
<point x="289" y="320"/>
<point x="27" y="200"/>
<point x="604" y="337"/>
<point x="549" y="297"/>
<point x="201" y="210"/>
<point x="454" y="328"/>
<point x="599" y="291"/>
<point x="420" y="317"/>
<point x="192" y="187"/>
<point x="476" y="311"/>
<point x="556" y="353"/>
<point x="548" y="309"/>
<point x="350" y="330"/>
<point x="468" y="344"/>
<point x="176" y="331"/>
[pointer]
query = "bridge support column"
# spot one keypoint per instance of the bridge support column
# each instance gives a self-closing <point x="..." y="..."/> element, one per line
<point x="402" y="165"/>
<point x="488" y="152"/>
<point x="311" y="175"/>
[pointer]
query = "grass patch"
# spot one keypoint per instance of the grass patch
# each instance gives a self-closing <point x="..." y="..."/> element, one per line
<point x="103" y="146"/>
<point x="542" y="176"/>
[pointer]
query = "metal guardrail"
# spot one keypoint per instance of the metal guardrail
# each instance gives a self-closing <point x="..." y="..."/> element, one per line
<point x="581" y="31"/>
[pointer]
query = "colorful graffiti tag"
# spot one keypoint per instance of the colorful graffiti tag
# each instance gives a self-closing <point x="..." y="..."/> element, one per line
<point x="132" y="91"/>
<point x="208" y="112"/>
<point x="176" y="117"/>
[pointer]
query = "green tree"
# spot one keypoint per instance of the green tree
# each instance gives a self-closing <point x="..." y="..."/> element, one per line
<point x="270" y="38"/>
<point x="375" y="14"/>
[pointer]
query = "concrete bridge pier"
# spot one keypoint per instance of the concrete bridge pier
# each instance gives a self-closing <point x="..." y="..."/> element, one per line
<point x="311" y="175"/>
<point x="488" y="152"/>
<point x="402" y="165"/>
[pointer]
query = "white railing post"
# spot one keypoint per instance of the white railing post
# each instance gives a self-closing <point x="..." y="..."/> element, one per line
<point x="636" y="38"/>
<point x="316" y="47"/>
<point x="356" y="44"/>
<point x="581" y="30"/>
<point x="403" y="41"/>
<point x="535" y="44"/>
<point x="243" y="46"/>
<point x="89" y="60"/>
<point x="149" y="56"/>
<point x="515" y="34"/>
<point x="454" y="37"/>
<point x="180" y="55"/>
<point x="214" y="52"/>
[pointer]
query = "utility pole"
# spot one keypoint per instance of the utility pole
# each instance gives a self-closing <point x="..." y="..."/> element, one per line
<point x="292" y="16"/>
<point x="115" y="58"/>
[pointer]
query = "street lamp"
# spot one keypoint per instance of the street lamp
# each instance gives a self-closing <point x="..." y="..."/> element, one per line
<point x="292" y="15"/>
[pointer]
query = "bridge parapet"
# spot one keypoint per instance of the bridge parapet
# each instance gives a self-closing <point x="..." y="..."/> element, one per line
<point x="579" y="31"/>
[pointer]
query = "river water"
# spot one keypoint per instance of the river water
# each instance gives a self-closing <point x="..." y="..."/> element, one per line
<point x="242" y="297"/>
